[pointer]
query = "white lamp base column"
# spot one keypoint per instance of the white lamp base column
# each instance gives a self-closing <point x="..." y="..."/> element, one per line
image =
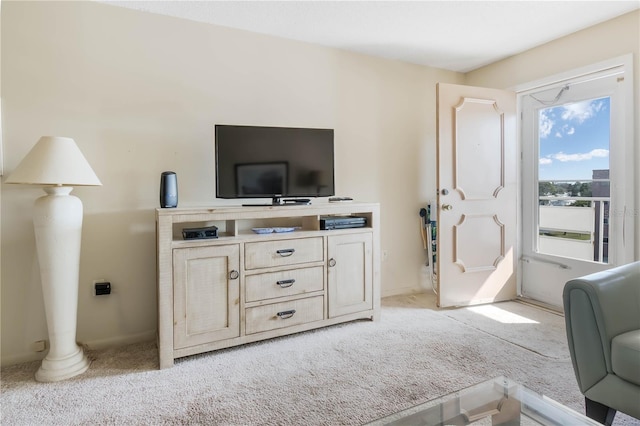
<point x="56" y="369"/>
<point x="57" y="221"/>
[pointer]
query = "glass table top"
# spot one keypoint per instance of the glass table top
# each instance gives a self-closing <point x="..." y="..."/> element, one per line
<point x="499" y="401"/>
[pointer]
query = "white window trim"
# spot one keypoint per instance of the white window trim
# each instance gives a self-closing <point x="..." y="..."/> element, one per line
<point x="630" y="212"/>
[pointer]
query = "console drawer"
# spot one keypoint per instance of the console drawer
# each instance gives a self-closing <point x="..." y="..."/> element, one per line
<point x="283" y="252"/>
<point x="283" y="283"/>
<point x="285" y="314"/>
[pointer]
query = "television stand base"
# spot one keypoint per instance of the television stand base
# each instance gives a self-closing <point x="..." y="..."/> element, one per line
<point x="276" y="201"/>
<point x="305" y="203"/>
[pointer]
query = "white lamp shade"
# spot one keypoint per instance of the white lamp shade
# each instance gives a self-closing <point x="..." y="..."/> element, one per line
<point x="54" y="161"/>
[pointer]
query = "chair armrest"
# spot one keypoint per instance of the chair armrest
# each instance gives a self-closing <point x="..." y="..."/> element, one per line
<point x="597" y="308"/>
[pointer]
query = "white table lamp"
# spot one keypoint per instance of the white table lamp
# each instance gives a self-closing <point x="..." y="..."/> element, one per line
<point x="57" y="164"/>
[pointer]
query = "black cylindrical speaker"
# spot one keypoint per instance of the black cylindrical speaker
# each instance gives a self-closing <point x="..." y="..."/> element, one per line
<point x="168" y="190"/>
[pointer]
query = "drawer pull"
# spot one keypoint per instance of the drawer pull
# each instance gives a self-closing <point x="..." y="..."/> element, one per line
<point x="286" y="283"/>
<point x="286" y="314"/>
<point x="286" y="252"/>
<point x="234" y="274"/>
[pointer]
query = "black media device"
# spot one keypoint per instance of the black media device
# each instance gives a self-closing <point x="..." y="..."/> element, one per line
<point x="274" y="162"/>
<point x="168" y="190"/>
<point x="342" y="222"/>
<point x="200" y="233"/>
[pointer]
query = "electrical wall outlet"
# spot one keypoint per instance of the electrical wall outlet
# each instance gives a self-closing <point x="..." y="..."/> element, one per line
<point x="101" y="288"/>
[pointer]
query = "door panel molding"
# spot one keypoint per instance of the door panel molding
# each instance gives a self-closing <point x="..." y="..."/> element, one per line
<point x="468" y="230"/>
<point x="470" y="147"/>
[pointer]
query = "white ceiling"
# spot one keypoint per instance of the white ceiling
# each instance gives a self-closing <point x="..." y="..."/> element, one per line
<point x="454" y="35"/>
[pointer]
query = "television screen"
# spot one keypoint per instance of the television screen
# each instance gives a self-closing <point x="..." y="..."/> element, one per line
<point x="273" y="162"/>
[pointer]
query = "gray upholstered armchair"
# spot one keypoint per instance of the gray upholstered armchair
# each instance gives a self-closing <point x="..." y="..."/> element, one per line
<point x="602" y="314"/>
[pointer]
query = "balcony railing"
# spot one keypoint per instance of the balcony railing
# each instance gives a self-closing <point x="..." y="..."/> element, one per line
<point x="571" y="231"/>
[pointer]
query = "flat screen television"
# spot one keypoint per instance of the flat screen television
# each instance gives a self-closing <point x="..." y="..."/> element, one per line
<point x="273" y="162"/>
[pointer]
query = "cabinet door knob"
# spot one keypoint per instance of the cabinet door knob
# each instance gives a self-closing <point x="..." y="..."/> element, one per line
<point x="286" y="252"/>
<point x="286" y="314"/>
<point x="332" y="262"/>
<point x="234" y="275"/>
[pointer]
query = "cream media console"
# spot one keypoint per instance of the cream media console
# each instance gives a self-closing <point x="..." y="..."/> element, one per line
<point x="244" y="287"/>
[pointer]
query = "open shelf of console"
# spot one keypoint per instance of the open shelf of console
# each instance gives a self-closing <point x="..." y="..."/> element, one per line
<point x="243" y="286"/>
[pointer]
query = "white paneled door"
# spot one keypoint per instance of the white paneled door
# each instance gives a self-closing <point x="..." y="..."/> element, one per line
<point x="477" y="195"/>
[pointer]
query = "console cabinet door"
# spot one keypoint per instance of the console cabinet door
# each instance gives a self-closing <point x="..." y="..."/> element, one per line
<point x="206" y="294"/>
<point x="350" y="273"/>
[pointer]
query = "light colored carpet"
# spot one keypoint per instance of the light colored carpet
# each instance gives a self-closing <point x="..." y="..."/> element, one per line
<point x="535" y="329"/>
<point x="343" y="375"/>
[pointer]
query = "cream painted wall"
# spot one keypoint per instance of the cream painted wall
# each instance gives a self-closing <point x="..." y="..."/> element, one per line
<point x="1" y="164"/>
<point x="611" y="39"/>
<point x="140" y="94"/>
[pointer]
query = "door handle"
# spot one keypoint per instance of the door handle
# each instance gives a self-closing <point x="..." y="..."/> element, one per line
<point x="447" y="207"/>
<point x="550" y="262"/>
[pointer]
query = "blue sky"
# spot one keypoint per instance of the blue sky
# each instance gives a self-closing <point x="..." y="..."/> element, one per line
<point x="574" y="140"/>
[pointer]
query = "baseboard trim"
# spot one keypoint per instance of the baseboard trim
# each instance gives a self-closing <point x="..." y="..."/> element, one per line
<point x="117" y="341"/>
<point x="88" y="345"/>
<point x="22" y="358"/>
<point x="405" y="291"/>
